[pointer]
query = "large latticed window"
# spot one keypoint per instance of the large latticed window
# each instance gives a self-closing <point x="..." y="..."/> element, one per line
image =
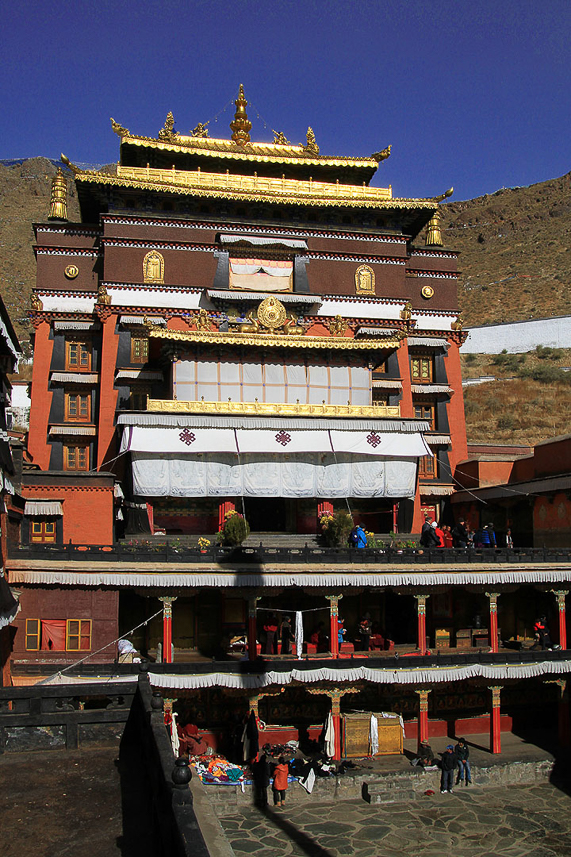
<point x="75" y="457"/>
<point x="33" y="632"/>
<point x="421" y="370"/>
<point x="78" y="407"/>
<point x="380" y="398"/>
<point x="427" y="467"/>
<point x="42" y="532"/>
<point x="78" y="355"/>
<point x="58" y="635"/>
<point x="139" y="349"/>
<point x="78" y="635"/>
<point x="426" y="411"/>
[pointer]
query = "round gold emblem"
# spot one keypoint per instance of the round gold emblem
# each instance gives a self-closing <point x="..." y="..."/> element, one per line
<point x="271" y="313"/>
<point x="427" y="292"/>
<point x="71" y="272"/>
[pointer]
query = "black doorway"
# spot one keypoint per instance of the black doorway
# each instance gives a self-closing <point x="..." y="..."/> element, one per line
<point x="266" y="514"/>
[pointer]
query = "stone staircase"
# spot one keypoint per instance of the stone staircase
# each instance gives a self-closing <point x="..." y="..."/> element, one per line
<point x="282" y="540"/>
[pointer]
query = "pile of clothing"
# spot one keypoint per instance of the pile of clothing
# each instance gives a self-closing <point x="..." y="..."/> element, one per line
<point x="277" y="750"/>
<point x="216" y="770"/>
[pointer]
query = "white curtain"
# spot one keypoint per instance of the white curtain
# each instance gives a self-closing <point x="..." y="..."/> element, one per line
<point x="299" y="633"/>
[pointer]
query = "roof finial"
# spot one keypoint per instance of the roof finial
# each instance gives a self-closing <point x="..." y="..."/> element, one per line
<point x="434" y="234"/>
<point x="241" y="125"/>
<point x="58" y="200"/>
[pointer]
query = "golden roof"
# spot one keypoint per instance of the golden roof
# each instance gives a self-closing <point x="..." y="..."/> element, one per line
<point x="252" y="188"/>
<point x="265" y="340"/>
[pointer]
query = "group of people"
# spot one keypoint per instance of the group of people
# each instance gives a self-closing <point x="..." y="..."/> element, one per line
<point x="278" y="630"/>
<point x="453" y="759"/>
<point x="436" y="535"/>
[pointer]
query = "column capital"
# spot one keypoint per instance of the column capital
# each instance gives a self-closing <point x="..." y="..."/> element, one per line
<point x="493" y="596"/>
<point x="496" y="690"/>
<point x="421" y="604"/>
<point x="168" y="601"/>
<point x="560" y="595"/>
<point x="561" y="684"/>
<point x="252" y="605"/>
<point x="334" y="603"/>
<point x="423" y="698"/>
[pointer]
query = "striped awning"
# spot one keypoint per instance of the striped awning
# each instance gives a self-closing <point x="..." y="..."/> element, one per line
<point x="431" y="388"/>
<point x="259" y="241"/>
<point x="436" y="490"/>
<point x="74" y="378"/>
<point x="427" y="342"/>
<point x="142" y="319"/>
<point x="89" y="431"/>
<point x="292" y="297"/>
<point x="42" y="508"/>
<point x="76" y="325"/>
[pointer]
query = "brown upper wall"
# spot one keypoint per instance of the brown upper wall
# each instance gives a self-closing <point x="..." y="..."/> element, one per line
<point x="333" y="277"/>
<point x="182" y="267"/>
<point x="73" y="235"/>
<point x="432" y="263"/>
<point x="51" y="272"/>
<point x="163" y="232"/>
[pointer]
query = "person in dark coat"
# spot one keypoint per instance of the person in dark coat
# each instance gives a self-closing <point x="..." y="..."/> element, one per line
<point x="287" y="636"/>
<point x="448" y="764"/>
<point x="428" y="538"/>
<point x="271" y="629"/>
<point x="261" y="777"/>
<point x="460" y="534"/>
<point x="425" y="754"/>
<point x="488" y="536"/>
<point x="462" y="757"/>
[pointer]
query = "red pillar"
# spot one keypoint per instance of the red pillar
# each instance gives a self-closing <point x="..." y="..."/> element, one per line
<point x="167" y="627"/>
<point x="560" y="595"/>
<point x="334" y="624"/>
<point x="421" y="616"/>
<point x="495" y="723"/>
<point x="106" y="430"/>
<point x="252" y="629"/>
<point x="423" y="715"/>
<point x="493" y="632"/>
<point x="336" y="715"/>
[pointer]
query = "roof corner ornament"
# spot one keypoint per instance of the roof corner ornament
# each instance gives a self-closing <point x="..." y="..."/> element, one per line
<point x="382" y="155"/>
<point x="337" y="326"/>
<point x="35" y="303"/>
<point x="458" y="324"/>
<point x="58" y="200"/>
<point x="241" y="125"/>
<point x="444" y="195"/>
<point x="311" y="146"/>
<point x="118" y="129"/>
<point x="406" y="312"/>
<point x="167" y="134"/>
<point x="103" y="297"/>
<point x="280" y="138"/>
<point x="200" y="131"/>
<point x="65" y="160"/>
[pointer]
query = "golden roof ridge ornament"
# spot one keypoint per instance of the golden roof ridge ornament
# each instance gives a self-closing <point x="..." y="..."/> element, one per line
<point x="167" y="133"/>
<point x="58" y="200"/>
<point x="241" y="125"/>
<point x="434" y="233"/>
<point x="200" y="131"/>
<point x="311" y="146"/>
<point x="119" y="129"/>
<point x="382" y="155"/>
<point x="65" y="160"/>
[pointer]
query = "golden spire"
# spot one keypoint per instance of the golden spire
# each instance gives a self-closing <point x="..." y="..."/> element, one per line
<point x="241" y="125"/>
<point x="434" y="234"/>
<point x="58" y="201"/>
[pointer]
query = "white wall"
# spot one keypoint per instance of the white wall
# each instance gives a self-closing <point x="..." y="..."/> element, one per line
<point x="519" y="336"/>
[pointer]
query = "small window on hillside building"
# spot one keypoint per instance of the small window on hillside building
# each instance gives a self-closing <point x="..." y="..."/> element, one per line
<point x="42" y="532"/>
<point x="427" y="467"/>
<point x="138" y="399"/>
<point x="380" y="398"/>
<point x="426" y="411"/>
<point x="139" y="350"/>
<point x="78" y="355"/>
<point x="78" y="407"/>
<point x="76" y="457"/>
<point x="421" y="370"/>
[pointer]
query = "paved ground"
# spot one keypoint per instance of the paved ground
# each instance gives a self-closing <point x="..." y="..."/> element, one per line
<point x="517" y="821"/>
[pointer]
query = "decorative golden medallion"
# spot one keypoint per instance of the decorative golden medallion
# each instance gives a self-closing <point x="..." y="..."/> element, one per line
<point x="272" y="313"/>
<point x="71" y="271"/>
<point x="427" y="292"/>
<point x="365" y="280"/>
<point x="153" y="268"/>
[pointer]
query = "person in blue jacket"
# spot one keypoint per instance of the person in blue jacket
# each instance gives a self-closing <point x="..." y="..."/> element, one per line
<point x="488" y="536"/>
<point x="358" y="537"/>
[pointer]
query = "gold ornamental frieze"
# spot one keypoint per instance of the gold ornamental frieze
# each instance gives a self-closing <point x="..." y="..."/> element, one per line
<point x="271" y="409"/>
<point x="364" y="280"/>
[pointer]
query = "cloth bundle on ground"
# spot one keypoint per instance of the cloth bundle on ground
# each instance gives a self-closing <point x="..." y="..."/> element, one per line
<point x="216" y="770"/>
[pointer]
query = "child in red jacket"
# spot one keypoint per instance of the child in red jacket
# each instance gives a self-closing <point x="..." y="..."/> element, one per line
<point x="280" y="782"/>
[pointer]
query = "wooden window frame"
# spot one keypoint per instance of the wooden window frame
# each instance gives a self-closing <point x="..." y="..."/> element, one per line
<point x="77" y="634"/>
<point x="420" y="377"/>
<point x="428" y="467"/>
<point x="31" y="634"/>
<point x="77" y="417"/>
<point x="40" y="534"/>
<point x="379" y="398"/>
<point x="138" y="392"/>
<point x="78" y="366"/>
<point x="77" y="450"/>
<point x="139" y="349"/>
<point x="426" y="406"/>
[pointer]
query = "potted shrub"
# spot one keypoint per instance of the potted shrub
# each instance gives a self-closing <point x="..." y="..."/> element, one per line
<point x="234" y="530"/>
<point x="337" y="529"/>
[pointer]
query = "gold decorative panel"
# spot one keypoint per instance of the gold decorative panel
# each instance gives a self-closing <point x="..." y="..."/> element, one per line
<point x="365" y="280"/>
<point x="153" y="268"/>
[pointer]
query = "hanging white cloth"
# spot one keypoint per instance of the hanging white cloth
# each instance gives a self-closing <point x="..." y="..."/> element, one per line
<point x="174" y="736"/>
<point x="245" y="743"/>
<point x="308" y="782"/>
<point x="329" y="737"/>
<point x="374" y="736"/>
<point x="299" y="633"/>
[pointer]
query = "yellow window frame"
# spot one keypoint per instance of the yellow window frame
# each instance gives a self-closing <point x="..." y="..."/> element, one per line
<point x="33" y="634"/>
<point x="77" y="630"/>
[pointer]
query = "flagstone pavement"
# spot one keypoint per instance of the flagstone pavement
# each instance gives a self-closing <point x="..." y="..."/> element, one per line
<point x="515" y="821"/>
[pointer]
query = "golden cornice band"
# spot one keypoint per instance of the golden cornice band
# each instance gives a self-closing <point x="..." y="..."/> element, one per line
<point x="271" y="409"/>
<point x="216" y="148"/>
<point x="253" y="187"/>
<point x="264" y="340"/>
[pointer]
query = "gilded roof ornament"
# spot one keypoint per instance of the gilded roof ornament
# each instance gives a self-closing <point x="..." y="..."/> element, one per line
<point x="118" y="129"/>
<point x="382" y="155"/>
<point x="457" y="325"/>
<point x="337" y="326"/>
<point x="406" y="311"/>
<point x="311" y="146"/>
<point x="167" y="133"/>
<point x="58" y="200"/>
<point x="65" y="160"/>
<point x="280" y="138"/>
<point x="444" y="195"/>
<point x="35" y="303"/>
<point x="200" y="131"/>
<point x="241" y="125"/>
<point x="434" y="233"/>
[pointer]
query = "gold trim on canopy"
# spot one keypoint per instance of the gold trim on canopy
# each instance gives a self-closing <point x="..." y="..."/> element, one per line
<point x="268" y="409"/>
<point x="280" y="341"/>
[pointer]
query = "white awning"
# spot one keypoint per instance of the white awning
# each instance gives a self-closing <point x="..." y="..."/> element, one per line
<point x="438" y="439"/>
<point x="259" y="241"/>
<point x="76" y="325"/>
<point x="74" y="378"/>
<point x="292" y="297"/>
<point x="42" y="508"/>
<point x="139" y="375"/>
<point x="387" y="383"/>
<point x="245" y="421"/>
<point x="376" y="331"/>
<point x="426" y="342"/>
<point x="142" y="319"/>
<point x="431" y="388"/>
<point x="436" y="490"/>
<point x="89" y="431"/>
<point x="198" y="440"/>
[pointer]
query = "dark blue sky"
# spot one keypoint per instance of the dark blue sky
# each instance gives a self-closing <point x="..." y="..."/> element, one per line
<point x="471" y="94"/>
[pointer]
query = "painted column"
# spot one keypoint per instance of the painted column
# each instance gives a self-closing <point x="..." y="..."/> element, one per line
<point x="563" y="724"/>
<point x="493" y="631"/>
<point x="495" y="724"/>
<point x="252" y="628"/>
<point x="421" y="616"/>
<point x="423" y="715"/>
<point x="336" y="715"/>
<point x="167" y="627"/>
<point x="334" y="624"/>
<point x="560" y="595"/>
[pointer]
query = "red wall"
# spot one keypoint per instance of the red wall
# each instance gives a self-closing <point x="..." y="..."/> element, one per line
<point x="87" y="512"/>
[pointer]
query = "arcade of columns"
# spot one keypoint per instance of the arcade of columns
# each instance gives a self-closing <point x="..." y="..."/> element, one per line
<point x="336" y="693"/>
